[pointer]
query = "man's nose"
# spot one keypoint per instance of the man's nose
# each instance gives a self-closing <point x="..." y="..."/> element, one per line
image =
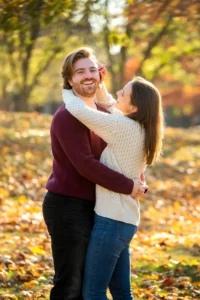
<point x="88" y="74"/>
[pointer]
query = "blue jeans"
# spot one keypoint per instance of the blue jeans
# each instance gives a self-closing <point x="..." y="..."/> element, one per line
<point x="107" y="261"/>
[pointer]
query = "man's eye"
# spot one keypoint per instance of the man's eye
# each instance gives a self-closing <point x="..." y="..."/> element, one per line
<point x="94" y="70"/>
<point x="80" y="72"/>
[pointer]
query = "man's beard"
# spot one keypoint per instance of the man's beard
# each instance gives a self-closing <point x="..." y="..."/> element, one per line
<point x="86" y="91"/>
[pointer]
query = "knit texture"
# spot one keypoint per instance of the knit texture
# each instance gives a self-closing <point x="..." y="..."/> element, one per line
<point x="124" y="153"/>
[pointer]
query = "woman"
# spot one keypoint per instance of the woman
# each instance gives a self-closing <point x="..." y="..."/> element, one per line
<point x="134" y="140"/>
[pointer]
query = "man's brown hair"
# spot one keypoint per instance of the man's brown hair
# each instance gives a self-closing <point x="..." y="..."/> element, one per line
<point x="67" y="69"/>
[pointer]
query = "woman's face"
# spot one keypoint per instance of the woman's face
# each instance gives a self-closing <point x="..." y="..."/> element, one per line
<point x="124" y="100"/>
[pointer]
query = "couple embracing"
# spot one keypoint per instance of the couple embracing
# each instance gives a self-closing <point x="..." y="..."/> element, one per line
<point x="100" y="148"/>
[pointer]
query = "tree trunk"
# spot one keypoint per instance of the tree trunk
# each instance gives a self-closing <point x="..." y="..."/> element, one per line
<point x="122" y="66"/>
<point x="20" y="101"/>
<point x="5" y="101"/>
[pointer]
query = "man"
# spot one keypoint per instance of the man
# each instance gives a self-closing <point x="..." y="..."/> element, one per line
<point x="69" y="202"/>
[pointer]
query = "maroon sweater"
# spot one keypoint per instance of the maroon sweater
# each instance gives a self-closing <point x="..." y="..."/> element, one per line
<point x="76" y="167"/>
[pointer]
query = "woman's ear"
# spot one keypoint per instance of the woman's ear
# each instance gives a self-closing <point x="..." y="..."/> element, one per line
<point x="134" y="109"/>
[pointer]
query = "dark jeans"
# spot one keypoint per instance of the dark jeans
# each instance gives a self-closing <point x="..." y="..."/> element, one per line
<point x="69" y="221"/>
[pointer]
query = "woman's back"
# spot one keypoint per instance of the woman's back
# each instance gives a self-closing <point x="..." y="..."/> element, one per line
<point x="125" y="154"/>
<point x="126" y="151"/>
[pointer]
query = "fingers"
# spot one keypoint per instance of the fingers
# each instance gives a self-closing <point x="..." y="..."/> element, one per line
<point x="139" y="188"/>
<point x="101" y="66"/>
<point x="102" y="71"/>
<point x="136" y="187"/>
<point x="142" y="186"/>
<point x="141" y="192"/>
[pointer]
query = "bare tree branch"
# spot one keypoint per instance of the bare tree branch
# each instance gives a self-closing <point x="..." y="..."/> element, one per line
<point x="11" y="49"/>
<point x="41" y="70"/>
<point x="34" y="32"/>
<point x="162" y="8"/>
<point x="107" y="46"/>
<point x="153" y="43"/>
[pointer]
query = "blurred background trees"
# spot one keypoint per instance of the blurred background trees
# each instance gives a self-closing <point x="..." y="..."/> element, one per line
<point x="155" y="39"/>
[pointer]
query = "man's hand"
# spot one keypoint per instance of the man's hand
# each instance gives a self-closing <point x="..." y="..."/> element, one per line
<point x="143" y="179"/>
<point x="139" y="188"/>
<point x="102" y="72"/>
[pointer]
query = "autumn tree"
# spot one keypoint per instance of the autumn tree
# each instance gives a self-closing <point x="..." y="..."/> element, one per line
<point x="28" y="26"/>
<point x="155" y="39"/>
<point x="171" y="30"/>
<point x="160" y="36"/>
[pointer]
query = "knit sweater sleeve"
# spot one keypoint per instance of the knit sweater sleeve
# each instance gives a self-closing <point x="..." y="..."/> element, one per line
<point x="105" y="100"/>
<point x="103" y="124"/>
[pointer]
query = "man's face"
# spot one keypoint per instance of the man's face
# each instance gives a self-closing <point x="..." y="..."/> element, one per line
<point x="85" y="79"/>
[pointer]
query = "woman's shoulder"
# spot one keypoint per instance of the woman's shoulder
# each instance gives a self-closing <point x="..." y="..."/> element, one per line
<point x="129" y="122"/>
<point x="131" y="127"/>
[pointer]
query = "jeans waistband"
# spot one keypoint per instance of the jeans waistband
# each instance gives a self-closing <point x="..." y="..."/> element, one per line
<point x="61" y="200"/>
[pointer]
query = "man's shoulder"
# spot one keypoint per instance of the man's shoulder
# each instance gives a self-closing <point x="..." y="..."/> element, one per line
<point x="61" y="111"/>
<point x="63" y="116"/>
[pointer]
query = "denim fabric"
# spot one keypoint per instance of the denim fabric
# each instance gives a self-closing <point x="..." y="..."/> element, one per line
<point x="69" y="222"/>
<point x="108" y="260"/>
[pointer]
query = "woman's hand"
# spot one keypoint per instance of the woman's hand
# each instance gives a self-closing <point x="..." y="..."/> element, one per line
<point x="102" y="72"/>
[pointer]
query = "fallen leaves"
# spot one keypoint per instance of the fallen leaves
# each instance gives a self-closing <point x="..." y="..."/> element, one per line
<point x="165" y="252"/>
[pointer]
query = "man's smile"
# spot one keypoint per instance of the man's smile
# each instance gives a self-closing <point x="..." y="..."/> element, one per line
<point x="88" y="83"/>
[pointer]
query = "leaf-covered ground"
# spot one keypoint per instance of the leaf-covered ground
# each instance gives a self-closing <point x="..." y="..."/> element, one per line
<point x="166" y="249"/>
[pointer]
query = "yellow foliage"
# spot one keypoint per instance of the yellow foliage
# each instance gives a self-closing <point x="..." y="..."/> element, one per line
<point x="167" y="238"/>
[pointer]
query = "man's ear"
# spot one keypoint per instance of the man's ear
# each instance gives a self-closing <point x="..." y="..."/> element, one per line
<point x="70" y="82"/>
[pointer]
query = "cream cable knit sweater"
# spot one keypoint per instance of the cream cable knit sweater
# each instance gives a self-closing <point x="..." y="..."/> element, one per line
<point x="124" y="153"/>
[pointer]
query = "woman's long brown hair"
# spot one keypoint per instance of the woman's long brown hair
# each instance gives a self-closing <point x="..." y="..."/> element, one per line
<point x="150" y="115"/>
